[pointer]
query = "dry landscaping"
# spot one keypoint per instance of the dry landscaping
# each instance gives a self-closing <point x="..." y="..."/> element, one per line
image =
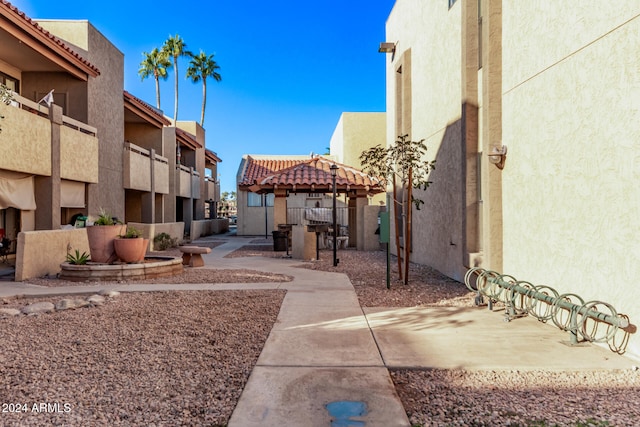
<point x="183" y="358"/>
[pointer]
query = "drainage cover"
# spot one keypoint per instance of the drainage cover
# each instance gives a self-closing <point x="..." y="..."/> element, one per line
<point x="342" y="411"/>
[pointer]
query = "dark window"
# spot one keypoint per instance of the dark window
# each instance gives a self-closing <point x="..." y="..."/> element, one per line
<point x="10" y="82"/>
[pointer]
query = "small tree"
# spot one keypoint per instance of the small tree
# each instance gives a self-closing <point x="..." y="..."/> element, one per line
<point x="6" y="96"/>
<point x="402" y="163"/>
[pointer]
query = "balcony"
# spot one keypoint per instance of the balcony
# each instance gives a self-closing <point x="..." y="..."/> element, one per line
<point x="137" y="170"/>
<point x="27" y="140"/>
<point x="187" y="184"/>
<point x="210" y="186"/>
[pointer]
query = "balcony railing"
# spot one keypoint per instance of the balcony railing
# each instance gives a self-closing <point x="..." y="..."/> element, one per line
<point x="210" y="185"/>
<point x="137" y="170"/>
<point x="42" y="111"/>
<point x="188" y="185"/>
<point x="27" y="130"/>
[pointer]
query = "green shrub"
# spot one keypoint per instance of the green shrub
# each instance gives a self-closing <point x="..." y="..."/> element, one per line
<point x="164" y="241"/>
<point x="132" y="233"/>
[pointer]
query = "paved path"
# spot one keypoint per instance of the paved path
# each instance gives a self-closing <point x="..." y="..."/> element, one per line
<point x="325" y="362"/>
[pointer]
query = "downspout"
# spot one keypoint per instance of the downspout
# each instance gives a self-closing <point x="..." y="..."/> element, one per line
<point x="472" y="249"/>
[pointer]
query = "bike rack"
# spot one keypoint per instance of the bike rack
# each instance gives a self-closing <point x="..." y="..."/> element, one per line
<point x="568" y="311"/>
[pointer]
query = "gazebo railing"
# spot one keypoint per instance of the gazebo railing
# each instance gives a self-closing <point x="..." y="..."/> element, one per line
<point x="310" y="216"/>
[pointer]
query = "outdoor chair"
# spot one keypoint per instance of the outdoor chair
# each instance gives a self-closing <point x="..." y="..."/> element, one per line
<point x="4" y="249"/>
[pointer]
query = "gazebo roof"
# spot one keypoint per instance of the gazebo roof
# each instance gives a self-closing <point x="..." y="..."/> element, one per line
<point x="311" y="175"/>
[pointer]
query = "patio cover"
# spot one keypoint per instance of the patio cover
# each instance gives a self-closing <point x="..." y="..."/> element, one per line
<point x="308" y="176"/>
<point x="17" y="191"/>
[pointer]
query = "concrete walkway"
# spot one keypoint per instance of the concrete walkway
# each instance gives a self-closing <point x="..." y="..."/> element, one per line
<point x="325" y="362"/>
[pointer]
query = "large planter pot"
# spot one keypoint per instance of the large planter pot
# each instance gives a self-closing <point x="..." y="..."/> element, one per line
<point x="101" y="239"/>
<point x="131" y="250"/>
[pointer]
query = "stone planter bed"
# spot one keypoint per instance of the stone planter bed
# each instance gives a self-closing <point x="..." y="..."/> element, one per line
<point x="151" y="268"/>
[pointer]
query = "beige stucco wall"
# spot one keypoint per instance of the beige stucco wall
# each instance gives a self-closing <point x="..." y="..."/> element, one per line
<point x="161" y="175"/>
<point x="149" y="231"/>
<point x="431" y="32"/>
<point x="571" y="103"/>
<point x="356" y="132"/>
<point x="206" y="227"/>
<point x="137" y="169"/>
<point x="199" y="195"/>
<point x="78" y="155"/>
<point x="29" y="135"/>
<point x="105" y="108"/>
<point x="251" y="219"/>
<point x="40" y="253"/>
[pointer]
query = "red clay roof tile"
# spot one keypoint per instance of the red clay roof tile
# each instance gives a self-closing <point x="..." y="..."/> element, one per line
<point x="313" y="173"/>
<point x="25" y="19"/>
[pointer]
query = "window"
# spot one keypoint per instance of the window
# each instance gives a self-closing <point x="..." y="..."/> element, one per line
<point x="271" y="199"/>
<point x="10" y="82"/>
<point x="255" y="199"/>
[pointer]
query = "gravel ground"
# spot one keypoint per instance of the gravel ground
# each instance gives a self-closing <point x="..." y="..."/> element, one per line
<point x="189" y="275"/>
<point x="166" y="358"/>
<point x="166" y="340"/>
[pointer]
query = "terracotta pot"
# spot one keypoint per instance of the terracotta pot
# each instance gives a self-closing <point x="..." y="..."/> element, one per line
<point x="101" y="239"/>
<point x="131" y="250"/>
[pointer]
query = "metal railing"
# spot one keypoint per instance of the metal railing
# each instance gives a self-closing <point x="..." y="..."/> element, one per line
<point x="568" y="311"/>
<point x="302" y="216"/>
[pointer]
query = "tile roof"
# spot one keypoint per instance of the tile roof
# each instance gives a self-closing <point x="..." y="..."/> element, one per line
<point x="211" y="156"/>
<point x="187" y="139"/>
<point x="312" y="174"/>
<point x="30" y="24"/>
<point x="149" y="109"/>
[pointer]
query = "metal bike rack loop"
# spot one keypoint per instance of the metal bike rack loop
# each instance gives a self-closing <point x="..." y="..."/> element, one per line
<point x="568" y="311"/>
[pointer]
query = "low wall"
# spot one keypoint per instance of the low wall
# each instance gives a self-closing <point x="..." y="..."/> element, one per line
<point x="206" y="227"/>
<point x="40" y="253"/>
<point x="149" y="231"/>
<point x="371" y="240"/>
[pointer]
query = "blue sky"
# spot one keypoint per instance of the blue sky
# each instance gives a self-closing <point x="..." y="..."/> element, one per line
<point x="289" y="68"/>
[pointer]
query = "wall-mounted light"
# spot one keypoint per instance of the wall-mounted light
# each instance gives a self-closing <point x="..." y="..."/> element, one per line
<point x="498" y="155"/>
<point x="386" y="47"/>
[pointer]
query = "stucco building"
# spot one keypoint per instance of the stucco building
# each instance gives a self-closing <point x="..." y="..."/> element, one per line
<point x="76" y="142"/>
<point x="556" y="83"/>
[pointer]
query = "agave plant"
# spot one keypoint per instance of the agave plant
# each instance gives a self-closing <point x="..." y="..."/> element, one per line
<point x="77" y="258"/>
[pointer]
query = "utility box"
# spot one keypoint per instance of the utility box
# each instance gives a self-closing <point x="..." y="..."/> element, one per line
<point x="384" y="227"/>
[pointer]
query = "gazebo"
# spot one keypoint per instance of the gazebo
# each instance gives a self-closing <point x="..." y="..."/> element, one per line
<point x="283" y="177"/>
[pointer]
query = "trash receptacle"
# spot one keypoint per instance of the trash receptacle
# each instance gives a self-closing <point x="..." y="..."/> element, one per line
<point x="279" y="240"/>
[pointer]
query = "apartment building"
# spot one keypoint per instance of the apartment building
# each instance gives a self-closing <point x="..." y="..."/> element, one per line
<point x="531" y="110"/>
<point x="75" y="142"/>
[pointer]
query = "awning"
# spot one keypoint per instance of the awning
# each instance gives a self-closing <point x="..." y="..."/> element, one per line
<point x="16" y="191"/>
<point x="71" y="194"/>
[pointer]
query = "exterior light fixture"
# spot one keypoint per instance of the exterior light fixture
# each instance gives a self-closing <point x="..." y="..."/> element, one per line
<point x="334" y="172"/>
<point x="386" y="47"/>
<point x="498" y="155"/>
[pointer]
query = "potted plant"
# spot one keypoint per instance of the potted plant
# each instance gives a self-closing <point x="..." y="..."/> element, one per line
<point x="131" y="246"/>
<point x="101" y="236"/>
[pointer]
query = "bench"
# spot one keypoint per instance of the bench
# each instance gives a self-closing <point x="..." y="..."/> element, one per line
<point x="192" y="255"/>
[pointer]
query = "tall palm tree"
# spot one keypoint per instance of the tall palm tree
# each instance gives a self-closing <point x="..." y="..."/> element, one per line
<point x="201" y="67"/>
<point x="155" y="64"/>
<point x="175" y="47"/>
